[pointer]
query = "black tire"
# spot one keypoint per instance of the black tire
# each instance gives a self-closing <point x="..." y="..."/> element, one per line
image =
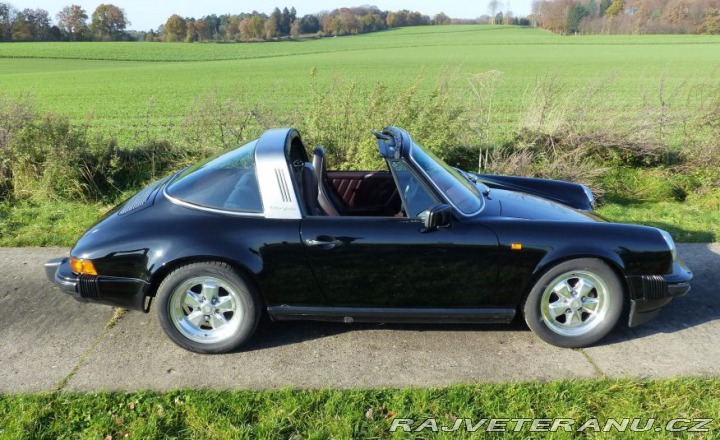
<point x="193" y="322"/>
<point x="587" y="318"/>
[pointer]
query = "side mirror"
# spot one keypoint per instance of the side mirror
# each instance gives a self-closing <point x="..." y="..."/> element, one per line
<point x="436" y="217"/>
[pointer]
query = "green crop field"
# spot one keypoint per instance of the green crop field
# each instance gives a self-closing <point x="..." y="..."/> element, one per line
<point x="118" y="83"/>
<point x="138" y="93"/>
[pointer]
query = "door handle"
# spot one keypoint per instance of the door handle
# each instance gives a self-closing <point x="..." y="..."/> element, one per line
<point x="323" y="242"/>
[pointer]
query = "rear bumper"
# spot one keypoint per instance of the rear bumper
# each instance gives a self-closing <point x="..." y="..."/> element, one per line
<point x="115" y="291"/>
<point x="649" y="293"/>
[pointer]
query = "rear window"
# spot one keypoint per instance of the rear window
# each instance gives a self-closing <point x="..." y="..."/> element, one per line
<point x="226" y="182"/>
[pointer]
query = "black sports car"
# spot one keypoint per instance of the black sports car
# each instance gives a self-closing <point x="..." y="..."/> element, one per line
<point x="264" y="228"/>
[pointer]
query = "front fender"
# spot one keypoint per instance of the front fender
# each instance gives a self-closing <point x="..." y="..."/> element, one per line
<point x="572" y="252"/>
<point x="570" y="194"/>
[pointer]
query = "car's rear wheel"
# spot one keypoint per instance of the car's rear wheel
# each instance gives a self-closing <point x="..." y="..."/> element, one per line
<point x="207" y="307"/>
<point x="575" y="304"/>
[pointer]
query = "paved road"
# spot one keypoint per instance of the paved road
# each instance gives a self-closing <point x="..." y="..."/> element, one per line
<point x="50" y="342"/>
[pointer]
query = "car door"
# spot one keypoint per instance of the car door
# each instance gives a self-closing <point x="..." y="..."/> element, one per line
<point x="396" y="262"/>
<point x="392" y="262"/>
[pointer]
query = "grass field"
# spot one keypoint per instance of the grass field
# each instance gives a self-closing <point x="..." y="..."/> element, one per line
<point x="137" y="92"/>
<point x="345" y="414"/>
<point x="119" y="83"/>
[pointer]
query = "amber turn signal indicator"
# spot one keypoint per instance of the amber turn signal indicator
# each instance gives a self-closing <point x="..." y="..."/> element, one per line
<point x="80" y="266"/>
<point x="516" y="246"/>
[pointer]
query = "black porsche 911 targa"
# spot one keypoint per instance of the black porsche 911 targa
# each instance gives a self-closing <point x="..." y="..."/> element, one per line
<point x="266" y="229"/>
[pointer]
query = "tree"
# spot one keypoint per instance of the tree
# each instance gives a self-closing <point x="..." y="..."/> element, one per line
<point x="372" y="23"/>
<point x="350" y="23"/>
<point x="7" y="17"/>
<point x="277" y="17"/>
<point x="604" y="5"/>
<point x="616" y="7"/>
<point x="711" y="24"/>
<point x="212" y="26"/>
<point x="175" y="28"/>
<point x="72" y="20"/>
<point x="31" y="25"/>
<point x="395" y="19"/>
<point x="309" y="24"/>
<point x="232" y="31"/>
<point x="199" y="26"/>
<point x="295" y="29"/>
<point x="108" y="22"/>
<point x="284" y="23"/>
<point x="441" y="19"/>
<point x="271" y="28"/>
<point x="256" y="27"/>
<point x="493" y="7"/>
<point x="190" y="31"/>
<point x="575" y="15"/>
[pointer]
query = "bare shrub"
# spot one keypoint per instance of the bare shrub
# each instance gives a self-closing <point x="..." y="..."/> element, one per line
<point x="342" y="113"/>
<point x="15" y="113"/>
<point x="215" y="123"/>
<point x="576" y="135"/>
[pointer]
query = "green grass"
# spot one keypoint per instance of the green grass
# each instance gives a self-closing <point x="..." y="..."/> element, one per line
<point x="28" y="223"/>
<point x="117" y="83"/>
<point x="686" y="222"/>
<point x="344" y="413"/>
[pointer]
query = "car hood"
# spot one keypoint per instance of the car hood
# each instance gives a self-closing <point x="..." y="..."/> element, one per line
<point x="525" y="206"/>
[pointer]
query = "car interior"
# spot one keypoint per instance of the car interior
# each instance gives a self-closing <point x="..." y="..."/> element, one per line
<point x="346" y="193"/>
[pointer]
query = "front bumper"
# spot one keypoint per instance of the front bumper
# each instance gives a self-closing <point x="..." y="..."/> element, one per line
<point x="649" y="293"/>
<point x="129" y="293"/>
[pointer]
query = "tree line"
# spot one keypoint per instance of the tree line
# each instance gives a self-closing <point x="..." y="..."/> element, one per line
<point x="256" y="26"/>
<point x="109" y="23"/>
<point x="627" y="16"/>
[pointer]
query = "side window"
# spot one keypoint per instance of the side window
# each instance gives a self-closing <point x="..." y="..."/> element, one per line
<point x="415" y="196"/>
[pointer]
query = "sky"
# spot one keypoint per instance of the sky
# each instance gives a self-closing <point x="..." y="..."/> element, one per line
<point x="149" y="14"/>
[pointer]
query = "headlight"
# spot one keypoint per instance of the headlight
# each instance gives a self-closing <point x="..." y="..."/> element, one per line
<point x="589" y="195"/>
<point x="670" y="242"/>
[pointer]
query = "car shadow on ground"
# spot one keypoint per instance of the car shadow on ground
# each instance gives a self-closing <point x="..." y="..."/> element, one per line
<point x="698" y="307"/>
<point x="274" y="334"/>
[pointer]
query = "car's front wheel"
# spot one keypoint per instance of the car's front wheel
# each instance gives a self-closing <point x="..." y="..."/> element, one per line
<point x="207" y="307"/>
<point x="575" y="304"/>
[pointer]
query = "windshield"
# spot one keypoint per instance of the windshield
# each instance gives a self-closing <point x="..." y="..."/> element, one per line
<point x="225" y="182"/>
<point x="461" y="193"/>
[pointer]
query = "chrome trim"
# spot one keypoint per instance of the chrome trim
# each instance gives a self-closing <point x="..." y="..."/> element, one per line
<point x="206" y="209"/>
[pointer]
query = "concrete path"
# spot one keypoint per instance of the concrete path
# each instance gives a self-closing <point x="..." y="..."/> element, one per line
<point x="50" y="342"/>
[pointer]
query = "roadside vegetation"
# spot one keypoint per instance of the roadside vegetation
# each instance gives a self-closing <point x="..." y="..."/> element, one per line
<point x="359" y="413"/>
<point x="649" y="146"/>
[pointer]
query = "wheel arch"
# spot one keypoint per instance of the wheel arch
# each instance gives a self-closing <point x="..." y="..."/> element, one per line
<point x="553" y="259"/>
<point x="167" y="268"/>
